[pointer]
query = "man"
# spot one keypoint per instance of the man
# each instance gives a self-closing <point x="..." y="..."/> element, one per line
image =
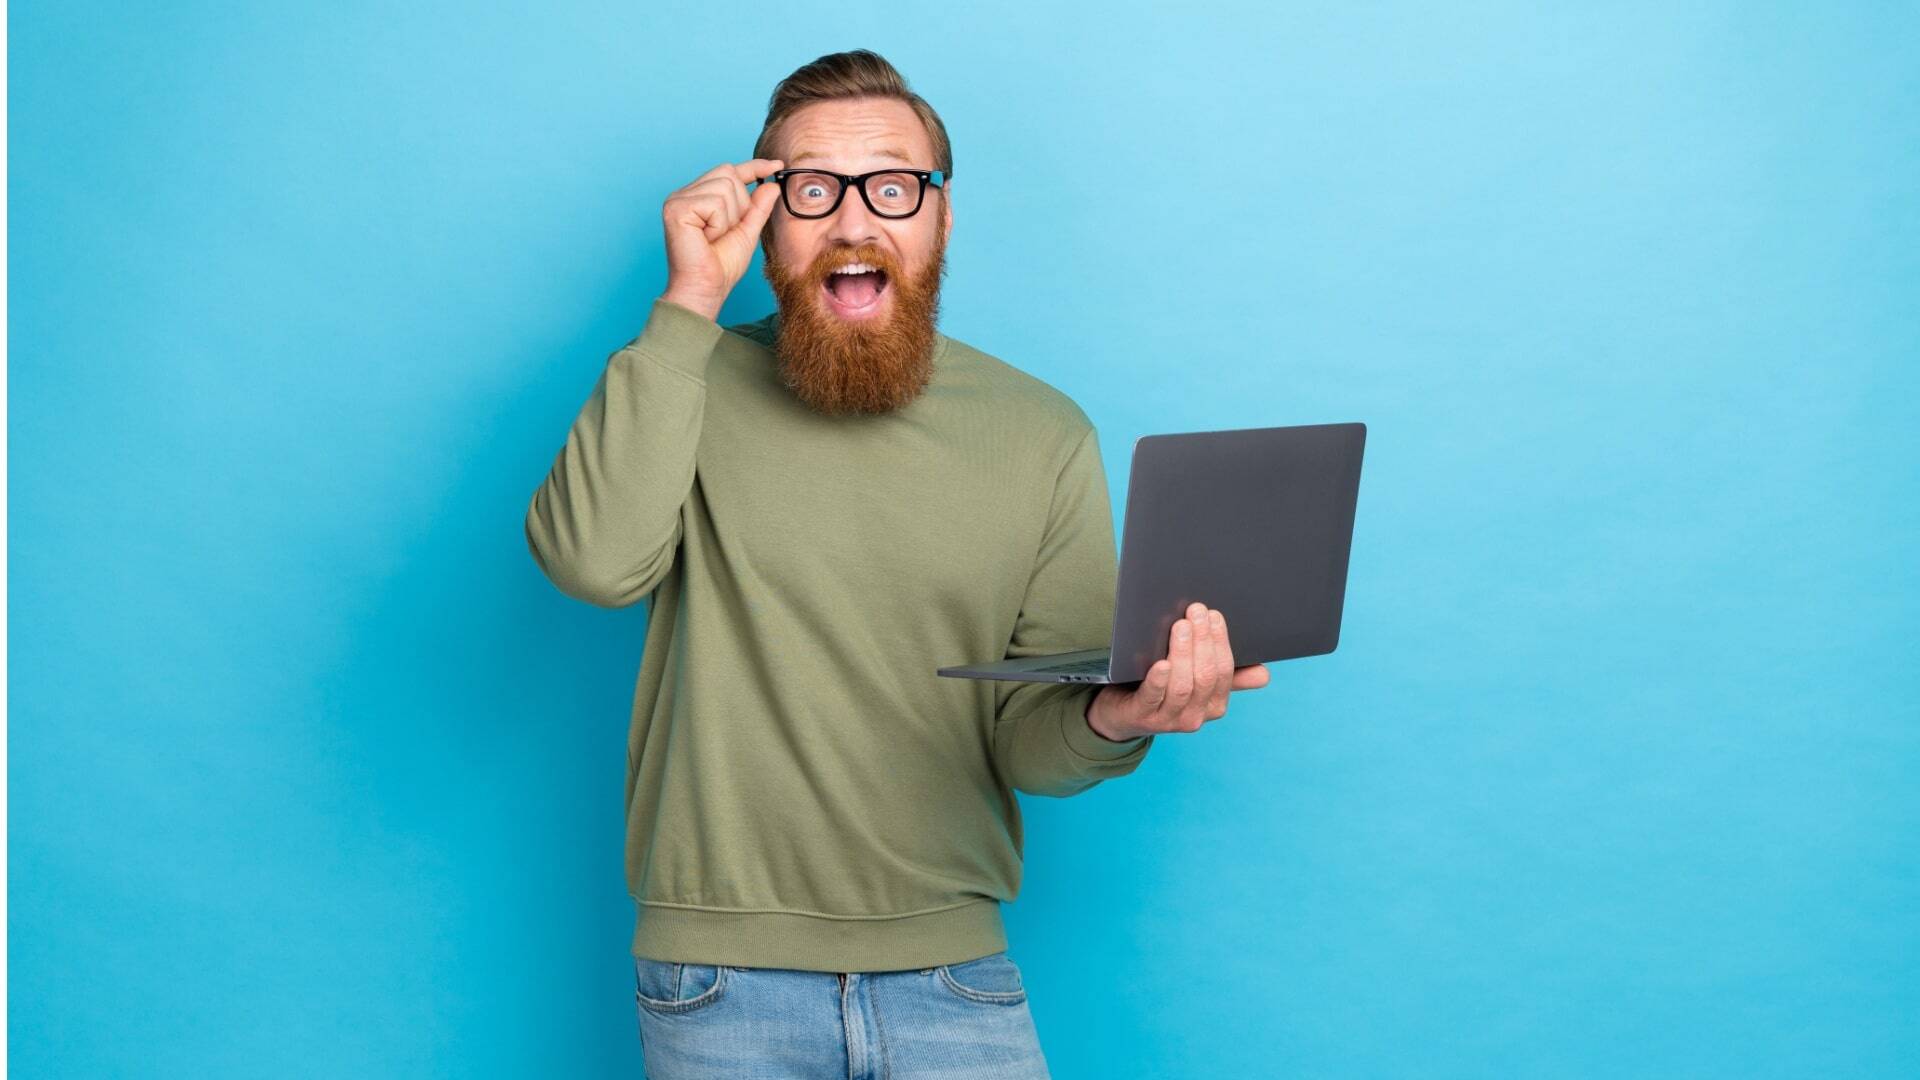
<point x="824" y="506"/>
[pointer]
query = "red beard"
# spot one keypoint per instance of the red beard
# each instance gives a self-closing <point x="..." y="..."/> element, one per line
<point x="839" y="366"/>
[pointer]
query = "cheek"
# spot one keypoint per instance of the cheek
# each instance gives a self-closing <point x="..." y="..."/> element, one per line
<point x="795" y="246"/>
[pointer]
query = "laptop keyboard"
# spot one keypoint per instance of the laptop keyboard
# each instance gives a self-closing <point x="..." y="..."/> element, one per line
<point x="1086" y="667"/>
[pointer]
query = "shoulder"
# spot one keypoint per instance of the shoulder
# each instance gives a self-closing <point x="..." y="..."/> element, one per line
<point x="1021" y="397"/>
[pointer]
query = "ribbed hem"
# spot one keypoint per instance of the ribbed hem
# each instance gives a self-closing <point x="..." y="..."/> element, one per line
<point x="782" y="939"/>
<point x="679" y="337"/>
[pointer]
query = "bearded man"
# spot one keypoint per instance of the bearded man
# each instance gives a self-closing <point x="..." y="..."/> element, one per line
<point x="822" y="507"/>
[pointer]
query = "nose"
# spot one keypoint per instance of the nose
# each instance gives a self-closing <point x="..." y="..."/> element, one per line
<point x="853" y="224"/>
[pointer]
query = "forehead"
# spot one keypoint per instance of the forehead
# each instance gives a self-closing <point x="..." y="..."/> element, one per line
<point x="852" y="134"/>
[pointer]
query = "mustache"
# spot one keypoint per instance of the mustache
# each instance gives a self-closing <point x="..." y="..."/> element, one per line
<point x="829" y="262"/>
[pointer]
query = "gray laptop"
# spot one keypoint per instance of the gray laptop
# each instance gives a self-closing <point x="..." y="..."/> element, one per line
<point x="1256" y="522"/>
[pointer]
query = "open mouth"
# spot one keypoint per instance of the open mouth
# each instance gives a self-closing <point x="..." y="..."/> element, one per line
<point x="855" y="291"/>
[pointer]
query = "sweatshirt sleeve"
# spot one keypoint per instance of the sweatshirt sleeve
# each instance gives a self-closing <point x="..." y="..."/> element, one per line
<point x="1042" y="743"/>
<point x="605" y="523"/>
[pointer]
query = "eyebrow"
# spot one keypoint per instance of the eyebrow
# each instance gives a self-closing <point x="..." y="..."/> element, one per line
<point x="889" y="152"/>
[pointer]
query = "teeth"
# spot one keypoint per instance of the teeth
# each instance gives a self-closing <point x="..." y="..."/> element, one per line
<point x="857" y="268"/>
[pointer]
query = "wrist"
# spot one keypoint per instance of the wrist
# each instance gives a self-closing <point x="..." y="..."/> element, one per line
<point x="704" y="305"/>
<point x="1097" y="721"/>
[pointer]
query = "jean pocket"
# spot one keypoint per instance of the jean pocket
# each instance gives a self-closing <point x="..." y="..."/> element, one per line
<point x="990" y="980"/>
<point x="665" y="986"/>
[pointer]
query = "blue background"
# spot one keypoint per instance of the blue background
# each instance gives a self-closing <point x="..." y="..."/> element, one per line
<point x="1616" y="771"/>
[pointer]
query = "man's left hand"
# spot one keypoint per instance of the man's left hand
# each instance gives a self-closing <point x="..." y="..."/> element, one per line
<point x="1182" y="692"/>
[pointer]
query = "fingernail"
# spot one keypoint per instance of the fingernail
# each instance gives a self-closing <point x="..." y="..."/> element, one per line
<point x="1182" y="630"/>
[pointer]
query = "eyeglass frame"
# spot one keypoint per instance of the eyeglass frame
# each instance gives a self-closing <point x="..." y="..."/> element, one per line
<point x="859" y="183"/>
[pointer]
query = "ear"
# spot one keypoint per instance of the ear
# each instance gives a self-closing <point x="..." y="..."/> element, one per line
<point x="946" y="209"/>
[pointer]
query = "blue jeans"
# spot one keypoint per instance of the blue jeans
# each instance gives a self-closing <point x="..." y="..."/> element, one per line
<point x="965" y="1021"/>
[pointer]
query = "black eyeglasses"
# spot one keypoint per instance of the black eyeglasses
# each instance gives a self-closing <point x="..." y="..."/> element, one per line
<point x="889" y="193"/>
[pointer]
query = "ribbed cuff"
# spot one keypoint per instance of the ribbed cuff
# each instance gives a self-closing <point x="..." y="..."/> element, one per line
<point x="1088" y="743"/>
<point x="679" y="337"/>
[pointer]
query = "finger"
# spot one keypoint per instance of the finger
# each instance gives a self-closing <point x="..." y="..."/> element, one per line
<point x="726" y="170"/>
<point x="1180" y="679"/>
<point x="733" y="190"/>
<point x="1203" y="667"/>
<point x="1222" y="661"/>
<point x="746" y="171"/>
<point x="756" y="169"/>
<point x="1251" y="677"/>
<point x="721" y="169"/>
<point x="707" y="210"/>
<point x="735" y="176"/>
<point x="1153" y="688"/>
<point x="1226" y="641"/>
<point x="761" y="208"/>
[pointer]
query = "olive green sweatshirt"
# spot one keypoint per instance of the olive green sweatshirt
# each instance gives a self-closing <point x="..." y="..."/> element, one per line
<point x="802" y="790"/>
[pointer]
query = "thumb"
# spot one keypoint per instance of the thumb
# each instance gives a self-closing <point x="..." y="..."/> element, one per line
<point x="760" y="208"/>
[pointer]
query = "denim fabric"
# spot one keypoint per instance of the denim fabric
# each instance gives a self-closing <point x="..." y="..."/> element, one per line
<point x="965" y="1021"/>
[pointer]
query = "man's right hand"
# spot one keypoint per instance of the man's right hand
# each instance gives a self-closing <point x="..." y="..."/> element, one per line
<point x="712" y="227"/>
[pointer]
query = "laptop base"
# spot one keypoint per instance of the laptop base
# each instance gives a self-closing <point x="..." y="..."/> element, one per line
<point x="1083" y="666"/>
